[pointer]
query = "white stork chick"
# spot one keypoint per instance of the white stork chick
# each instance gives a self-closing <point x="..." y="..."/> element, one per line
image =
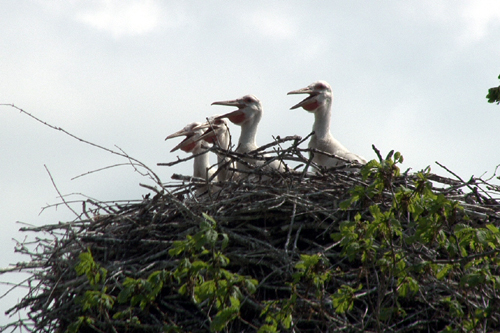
<point x="319" y="102"/>
<point x="247" y="116"/>
<point x="192" y="144"/>
<point x="217" y="133"/>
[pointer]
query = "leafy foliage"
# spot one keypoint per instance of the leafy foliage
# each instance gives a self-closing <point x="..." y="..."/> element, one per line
<point x="375" y="250"/>
<point x="94" y="302"/>
<point x="310" y="271"/>
<point x="464" y="254"/>
<point x="200" y="274"/>
<point x="203" y="277"/>
<point x="494" y="94"/>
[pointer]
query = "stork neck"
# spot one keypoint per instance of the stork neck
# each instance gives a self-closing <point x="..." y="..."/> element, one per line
<point x="224" y="140"/>
<point x="322" y="120"/>
<point x="201" y="163"/>
<point x="248" y="135"/>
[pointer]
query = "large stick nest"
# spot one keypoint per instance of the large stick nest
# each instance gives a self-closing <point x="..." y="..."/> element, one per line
<point x="270" y="220"/>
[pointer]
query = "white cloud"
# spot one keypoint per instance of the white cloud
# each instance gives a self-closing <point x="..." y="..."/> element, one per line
<point x="123" y="17"/>
<point x="474" y="19"/>
<point x="479" y="16"/>
<point x="119" y="17"/>
<point x="271" y="25"/>
<point x="279" y="26"/>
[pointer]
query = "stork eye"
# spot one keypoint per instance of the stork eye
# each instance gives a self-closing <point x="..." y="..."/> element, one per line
<point x="249" y="100"/>
<point x="320" y="86"/>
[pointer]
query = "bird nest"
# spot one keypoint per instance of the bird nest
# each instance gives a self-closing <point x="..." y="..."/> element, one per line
<point x="270" y="251"/>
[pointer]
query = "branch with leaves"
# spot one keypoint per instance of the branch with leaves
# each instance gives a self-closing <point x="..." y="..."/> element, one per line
<point x="494" y="94"/>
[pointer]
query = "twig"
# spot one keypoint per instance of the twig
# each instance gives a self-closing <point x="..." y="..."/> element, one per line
<point x="60" y="195"/>
<point x="152" y="174"/>
<point x="292" y="220"/>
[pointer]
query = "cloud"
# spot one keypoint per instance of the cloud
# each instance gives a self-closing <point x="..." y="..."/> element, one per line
<point x="468" y="21"/>
<point x="123" y="18"/>
<point x="272" y="25"/>
<point x="474" y="19"/>
<point x="479" y="16"/>
<point x="119" y="18"/>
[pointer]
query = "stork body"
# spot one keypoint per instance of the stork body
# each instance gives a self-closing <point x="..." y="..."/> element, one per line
<point x="217" y="133"/>
<point x="247" y="116"/>
<point x="319" y="103"/>
<point x="192" y="144"/>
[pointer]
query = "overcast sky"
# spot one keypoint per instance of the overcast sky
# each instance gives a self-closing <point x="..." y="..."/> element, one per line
<point x="406" y="75"/>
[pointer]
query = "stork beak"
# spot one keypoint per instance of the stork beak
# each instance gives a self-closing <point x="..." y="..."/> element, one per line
<point x="230" y="115"/>
<point x="203" y="126"/>
<point x="234" y="102"/>
<point x="305" y="90"/>
<point x="210" y="132"/>
<point x="236" y="116"/>
<point x="188" y="143"/>
<point x="209" y="135"/>
<point x="210" y="126"/>
<point x="214" y="127"/>
<point x="178" y="133"/>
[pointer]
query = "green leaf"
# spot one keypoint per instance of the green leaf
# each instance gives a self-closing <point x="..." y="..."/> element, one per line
<point x="266" y="328"/>
<point x="107" y="301"/>
<point x="225" y="241"/>
<point x="75" y="326"/>
<point x="398" y="157"/>
<point x="183" y="289"/>
<point x="209" y="218"/>
<point x="122" y="314"/>
<point x="136" y="299"/>
<point x="124" y="295"/>
<point x="198" y="265"/>
<point x="472" y="280"/>
<point x="205" y="224"/>
<point x="493" y="229"/>
<point x="251" y="285"/>
<point x="222" y="259"/>
<point x="287" y="321"/>
<point x="171" y="328"/>
<point x="408" y="286"/>
<point x="307" y="261"/>
<point x="481" y="236"/>
<point x="235" y="302"/>
<point x="455" y="307"/>
<point x="444" y="271"/>
<point x="345" y="204"/>
<point x="177" y="248"/>
<point x="90" y="268"/>
<point x="206" y="290"/>
<point x="222" y="318"/>
<point x="156" y="277"/>
<point x="343" y="299"/>
<point x="386" y="313"/>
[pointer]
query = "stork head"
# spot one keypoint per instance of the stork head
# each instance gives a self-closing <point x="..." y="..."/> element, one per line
<point x="320" y="94"/>
<point x="249" y="107"/>
<point x="192" y="134"/>
<point x="216" y="129"/>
